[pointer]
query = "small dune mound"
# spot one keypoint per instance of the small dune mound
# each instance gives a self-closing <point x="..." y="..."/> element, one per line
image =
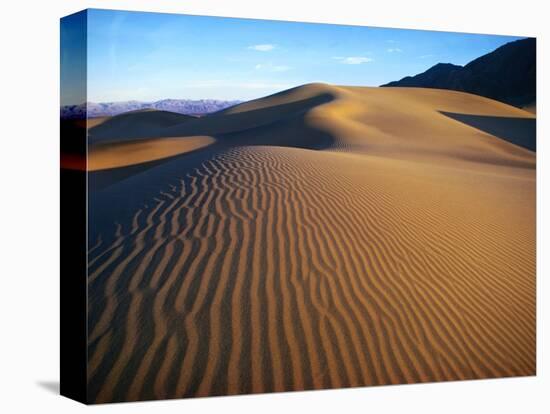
<point x="135" y="124"/>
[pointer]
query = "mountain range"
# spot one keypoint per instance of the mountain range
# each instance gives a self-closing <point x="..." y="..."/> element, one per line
<point x="181" y="106"/>
<point x="508" y="74"/>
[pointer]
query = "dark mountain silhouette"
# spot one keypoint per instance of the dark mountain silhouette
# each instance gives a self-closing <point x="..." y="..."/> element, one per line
<point x="507" y="74"/>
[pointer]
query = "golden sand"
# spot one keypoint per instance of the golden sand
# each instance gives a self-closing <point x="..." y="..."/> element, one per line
<point x="120" y="154"/>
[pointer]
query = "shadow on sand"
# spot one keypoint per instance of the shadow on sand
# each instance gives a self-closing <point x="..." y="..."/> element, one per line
<point x="518" y="131"/>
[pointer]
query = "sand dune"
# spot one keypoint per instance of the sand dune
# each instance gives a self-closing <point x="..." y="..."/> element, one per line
<point x="130" y="152"/>
<point x="132" y="125"/>
<point x="329" y="237"/>
<point x="401" y="122"/>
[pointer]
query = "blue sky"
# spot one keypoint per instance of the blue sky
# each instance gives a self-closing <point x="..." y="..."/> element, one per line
<point x="150" y="56"/>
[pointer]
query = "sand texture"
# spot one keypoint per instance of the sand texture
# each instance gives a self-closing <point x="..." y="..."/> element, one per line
<point x="321" y="237"/>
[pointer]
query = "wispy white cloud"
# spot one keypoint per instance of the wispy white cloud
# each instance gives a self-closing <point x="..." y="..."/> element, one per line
<point x="271" y="67"/>
<point x="394" y="50"/>
<point x="262" y="48"/>
<point x="353" y="60"/>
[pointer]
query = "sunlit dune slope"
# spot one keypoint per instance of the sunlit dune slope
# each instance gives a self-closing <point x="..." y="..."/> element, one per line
<point x="125" y="153"/>
<point x="328" y="237"/>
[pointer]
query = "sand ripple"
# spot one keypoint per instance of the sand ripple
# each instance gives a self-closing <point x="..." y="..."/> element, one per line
<point x="275" y="269"/>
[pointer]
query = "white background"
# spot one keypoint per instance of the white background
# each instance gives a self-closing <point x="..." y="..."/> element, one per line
<point x="29" y="206"/>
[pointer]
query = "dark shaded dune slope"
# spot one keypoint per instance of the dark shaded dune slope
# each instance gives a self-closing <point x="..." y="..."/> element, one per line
<point x="135" y="124"/>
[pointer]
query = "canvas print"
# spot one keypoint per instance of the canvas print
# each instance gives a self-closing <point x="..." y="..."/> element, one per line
<point x="280" y="206"/>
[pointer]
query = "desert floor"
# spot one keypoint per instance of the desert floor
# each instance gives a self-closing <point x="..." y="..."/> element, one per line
<point x="321" y="237"/>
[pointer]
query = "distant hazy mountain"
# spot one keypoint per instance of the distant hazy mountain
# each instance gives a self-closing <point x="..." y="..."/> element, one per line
<point x="181" y="106"/>
<point x="507" y="74"/>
